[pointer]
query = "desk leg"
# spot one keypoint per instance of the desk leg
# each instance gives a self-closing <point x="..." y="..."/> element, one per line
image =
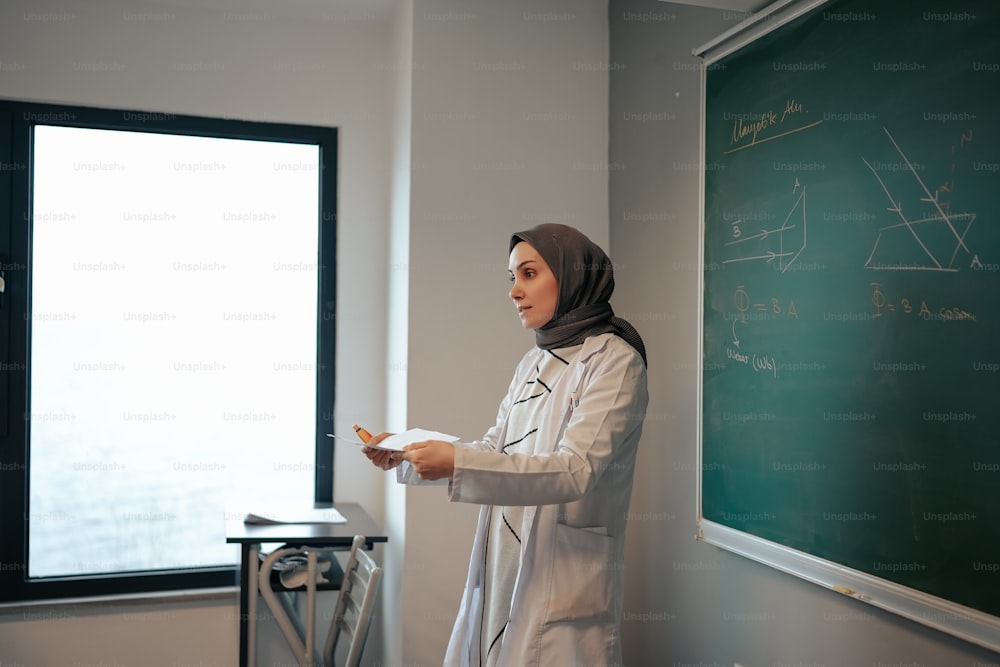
<point x="312" y="560"/>
<point x="249" y="588"/>
<point x="244" y="616"/>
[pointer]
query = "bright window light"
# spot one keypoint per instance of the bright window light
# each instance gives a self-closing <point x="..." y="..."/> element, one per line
<point x="172" y="362"/>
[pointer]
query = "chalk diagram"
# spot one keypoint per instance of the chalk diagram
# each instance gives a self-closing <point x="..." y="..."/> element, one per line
<point x="779" y="246"/>
<point x="931" y="241"/>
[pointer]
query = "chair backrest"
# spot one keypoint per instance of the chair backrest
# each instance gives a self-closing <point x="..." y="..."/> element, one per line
<point x="352" y="616"/>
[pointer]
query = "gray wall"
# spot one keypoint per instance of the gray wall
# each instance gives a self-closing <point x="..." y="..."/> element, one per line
<point x="688" y="603"/>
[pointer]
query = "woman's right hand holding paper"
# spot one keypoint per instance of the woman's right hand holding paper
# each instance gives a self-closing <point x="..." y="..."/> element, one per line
<point x="383" y="458"/>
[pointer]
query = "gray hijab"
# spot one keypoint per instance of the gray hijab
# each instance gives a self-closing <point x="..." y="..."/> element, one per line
<point x="586" y="280"/>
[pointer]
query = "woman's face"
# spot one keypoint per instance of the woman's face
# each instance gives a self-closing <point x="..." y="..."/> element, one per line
<point x="534" y="288"/>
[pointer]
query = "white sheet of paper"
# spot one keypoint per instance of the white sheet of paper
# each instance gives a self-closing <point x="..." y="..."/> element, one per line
<point x="399" y="440"/>
<point x="282" y="514"/>
<point x="396" y="442"/>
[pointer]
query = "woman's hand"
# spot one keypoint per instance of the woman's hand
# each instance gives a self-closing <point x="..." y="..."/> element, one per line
<point x="383" y="458"/>
<point x="431" y="459"/>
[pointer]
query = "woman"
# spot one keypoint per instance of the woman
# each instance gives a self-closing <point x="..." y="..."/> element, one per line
<point x="554" y="475"/>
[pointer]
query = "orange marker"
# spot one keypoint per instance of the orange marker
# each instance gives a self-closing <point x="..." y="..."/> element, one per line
<point x="362" y="433"/>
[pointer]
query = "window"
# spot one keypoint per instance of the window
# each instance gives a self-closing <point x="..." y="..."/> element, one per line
<point x="170" y="308"/>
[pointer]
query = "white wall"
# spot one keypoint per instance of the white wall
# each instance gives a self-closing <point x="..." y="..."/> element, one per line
<point x="332" y="71"/>
<point x="460" y="124"/>
<point x="397" y="354"/>
<point x="688" y="603"/>
<point x="335" y="70"/>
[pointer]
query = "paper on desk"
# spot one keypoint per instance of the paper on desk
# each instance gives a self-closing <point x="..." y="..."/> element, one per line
<point x="294" y="515"/>
<point x="396" y="442"/>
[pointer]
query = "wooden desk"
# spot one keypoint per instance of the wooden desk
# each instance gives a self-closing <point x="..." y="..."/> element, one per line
<point x="326" y="535"/>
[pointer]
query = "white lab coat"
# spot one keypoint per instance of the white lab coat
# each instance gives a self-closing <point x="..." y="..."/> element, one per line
<point x="567" y="603"/>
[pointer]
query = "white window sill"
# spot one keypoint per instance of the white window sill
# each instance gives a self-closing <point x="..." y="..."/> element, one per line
<point x="228" y="593"/>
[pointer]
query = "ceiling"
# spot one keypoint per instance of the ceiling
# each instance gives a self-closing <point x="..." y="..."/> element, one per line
<point x="303" y="9"/>
<point x="370" y="9"/>
<point x="732" y="5"/>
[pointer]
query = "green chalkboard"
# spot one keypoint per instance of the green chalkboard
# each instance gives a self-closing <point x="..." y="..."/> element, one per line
<point x="851" y="331"/>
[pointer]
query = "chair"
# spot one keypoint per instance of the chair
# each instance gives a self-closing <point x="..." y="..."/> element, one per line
<point x="352" y="616"/>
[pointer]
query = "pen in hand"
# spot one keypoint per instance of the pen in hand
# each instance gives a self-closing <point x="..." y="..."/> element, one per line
<point x="362" y="433"/>
<point x="386" y="460"/>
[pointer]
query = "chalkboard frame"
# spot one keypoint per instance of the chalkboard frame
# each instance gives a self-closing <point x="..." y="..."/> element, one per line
<point x="955" y="619"/>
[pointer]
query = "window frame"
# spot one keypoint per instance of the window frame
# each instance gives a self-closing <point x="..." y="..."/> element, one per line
<point x="17" y="123"/>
